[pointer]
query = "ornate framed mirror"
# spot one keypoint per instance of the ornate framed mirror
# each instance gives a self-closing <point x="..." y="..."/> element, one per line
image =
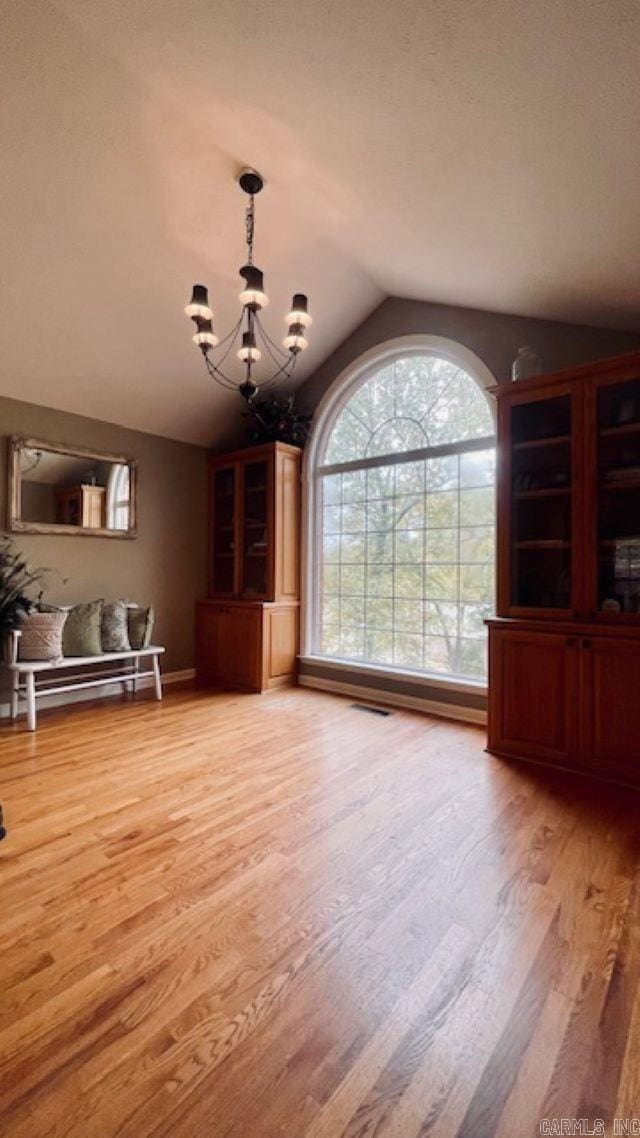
<point x="55" y="488"/>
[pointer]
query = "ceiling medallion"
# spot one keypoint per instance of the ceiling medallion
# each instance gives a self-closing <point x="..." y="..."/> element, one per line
<point x="249" y="331"/>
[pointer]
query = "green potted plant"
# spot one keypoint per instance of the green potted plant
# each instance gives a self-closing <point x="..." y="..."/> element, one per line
<point x="16" y="582"/>
<point x="275" y="419"/>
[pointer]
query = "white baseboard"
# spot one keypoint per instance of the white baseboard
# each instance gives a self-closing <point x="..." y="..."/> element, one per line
<point x="109" y="688"/>
<point x="396" y="699"/>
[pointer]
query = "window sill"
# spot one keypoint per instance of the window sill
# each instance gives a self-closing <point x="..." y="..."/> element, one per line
<point x="425" y="679"/>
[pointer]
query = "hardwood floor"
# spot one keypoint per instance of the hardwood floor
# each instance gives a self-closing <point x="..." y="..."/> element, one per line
<point x="253" y="916"/>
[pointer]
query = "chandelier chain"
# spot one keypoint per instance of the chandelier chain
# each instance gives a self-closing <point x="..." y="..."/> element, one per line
<point x="250" y="223"/>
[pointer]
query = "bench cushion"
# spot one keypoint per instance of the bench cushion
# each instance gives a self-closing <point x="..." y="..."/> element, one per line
<point x="141" y="622"/>
<point x="81" y="635"/>
<point x="41" y="636"/>
<point x="114" y="629"/>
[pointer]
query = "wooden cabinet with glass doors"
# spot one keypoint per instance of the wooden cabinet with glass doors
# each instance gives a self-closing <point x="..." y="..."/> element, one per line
<point x="564" y="648"/>
<point x="247" y="628"/>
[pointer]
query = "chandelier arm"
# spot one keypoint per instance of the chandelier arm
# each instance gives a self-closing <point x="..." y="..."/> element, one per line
<point x="279" y="362"/>
<point x="269" y="343"/>
<point x="219" y="376"/>
<point x="232" y="334"/>
<point x="232" y="339"/>
<point x="286" y="370"/>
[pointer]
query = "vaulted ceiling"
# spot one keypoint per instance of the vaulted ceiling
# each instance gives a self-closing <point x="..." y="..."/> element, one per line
<point x="480" y="153"/>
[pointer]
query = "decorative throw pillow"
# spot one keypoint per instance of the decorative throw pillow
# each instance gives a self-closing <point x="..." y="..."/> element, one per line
<point x="114" y="627"/>
<point x="81" y="633"/>
<point x="140" y="625"/>
<point x="41" y="637"/>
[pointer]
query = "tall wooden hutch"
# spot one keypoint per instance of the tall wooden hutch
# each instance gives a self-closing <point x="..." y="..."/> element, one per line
<point x="247" y="628"/>
<point x="564" y="649"/>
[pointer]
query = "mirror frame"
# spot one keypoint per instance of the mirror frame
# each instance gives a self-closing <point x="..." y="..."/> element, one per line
<point x="15" y="524"/>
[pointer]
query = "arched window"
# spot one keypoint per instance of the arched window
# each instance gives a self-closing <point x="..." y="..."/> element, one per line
<point x="118" y="489"/>
<point x="401" y="470"/>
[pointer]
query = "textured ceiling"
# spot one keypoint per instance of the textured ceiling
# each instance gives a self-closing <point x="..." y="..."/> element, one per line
<point x="480" y="153"/>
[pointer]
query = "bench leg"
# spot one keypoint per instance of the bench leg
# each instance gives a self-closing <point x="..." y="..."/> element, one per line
<point x="134" y="682"/>
<point x="31" y="701"/>
<point x="14" y="695"/>
<point x="157" y="682"/>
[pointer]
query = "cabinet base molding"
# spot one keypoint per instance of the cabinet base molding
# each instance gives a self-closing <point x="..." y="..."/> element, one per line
<point x="565" y="768"/>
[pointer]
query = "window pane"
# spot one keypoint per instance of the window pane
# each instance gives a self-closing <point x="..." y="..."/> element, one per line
<point x="476" y="583"/>
<point x="477" y="544"/>
<point x="332" y="519"/>
<point x="379" y="647"/>
<point x="409" y="546"/>
<point x="352" y="610"/>
<point x="354" y="518"/>
<point x="476" y="507"/>
<point x="332" y="489"/>
<point x="352" y="579"/>
<point x="442" y="545"/>
<point x="380" y="580"/>
<point x="410" y="478"/>
<point x="396" y="437"/>
<point x="406" y="564"/>
<point x="442" y="509"/>
<point x="407" y="616"/>
<point x="380" y="612"/>
<point x="410" y="512"/>
<point x="407" y="650"/>
<point x="478" y="468"/>
<point x="442" y="473"/>
<point x="352" y="643"/>
<point x="331" y="579"/>
<point x="354" y="485"/>
<point x="409" y="581"/>
<point x="331" y="609"/>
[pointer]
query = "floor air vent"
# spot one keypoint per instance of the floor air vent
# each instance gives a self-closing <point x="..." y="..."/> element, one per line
<point x="371" y="710"/>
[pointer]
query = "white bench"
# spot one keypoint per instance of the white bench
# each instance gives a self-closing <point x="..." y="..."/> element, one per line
<point x="25" y="684"/>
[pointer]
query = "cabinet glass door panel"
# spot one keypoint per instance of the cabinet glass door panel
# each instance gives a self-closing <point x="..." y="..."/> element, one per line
<point x="223" y="553"/>
<point x="255" y="529"/>
<point x="618" y="498"/>
<point x="541" y="494"/>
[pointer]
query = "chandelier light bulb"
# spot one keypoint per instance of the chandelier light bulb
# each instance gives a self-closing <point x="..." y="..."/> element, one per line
<point x="295" y="341"/>
<point x="253" y="294"/>
<point x="205" y="337"/>
<point x="249" y="353"/>
<point x="198" y="306"/>
<point x="299" y="311"/>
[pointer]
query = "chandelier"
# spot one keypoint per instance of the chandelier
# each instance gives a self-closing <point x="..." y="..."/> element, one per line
<point x="249" y="331"/>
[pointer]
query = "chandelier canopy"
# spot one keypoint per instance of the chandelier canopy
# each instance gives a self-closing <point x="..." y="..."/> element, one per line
<point x="249" y="331"/>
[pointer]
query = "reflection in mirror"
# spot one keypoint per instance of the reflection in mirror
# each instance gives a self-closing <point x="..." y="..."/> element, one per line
<point x="58" y="487"/>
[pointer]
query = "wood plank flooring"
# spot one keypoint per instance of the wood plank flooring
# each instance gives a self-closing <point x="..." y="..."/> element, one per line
<point x="249" y="916"/>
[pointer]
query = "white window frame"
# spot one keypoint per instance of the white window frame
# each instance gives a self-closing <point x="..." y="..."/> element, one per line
<point x="332" y="403"/>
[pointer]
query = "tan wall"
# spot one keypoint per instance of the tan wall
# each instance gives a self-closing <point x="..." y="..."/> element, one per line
<point x="494" y="337"/>
<point x="165" y="565"/>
